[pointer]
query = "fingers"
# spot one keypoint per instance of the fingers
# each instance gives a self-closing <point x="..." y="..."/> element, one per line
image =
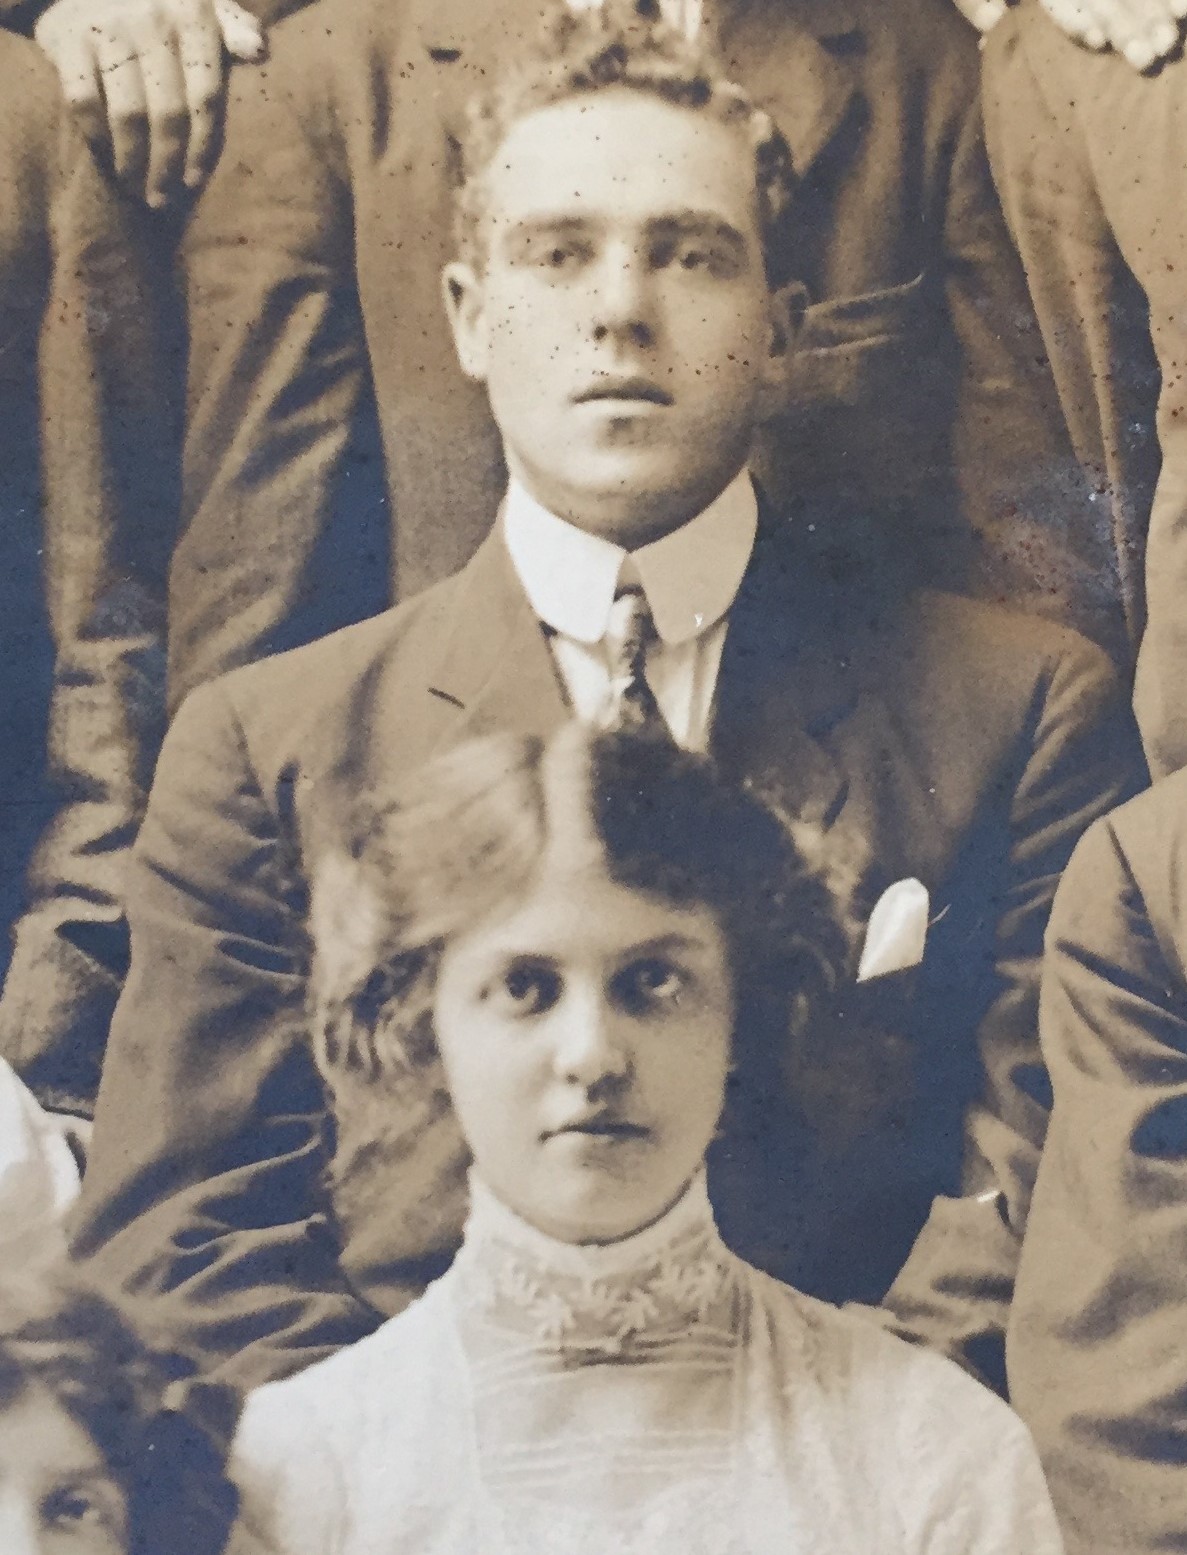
<point x="73" y="54"/>
<point x="125" y="105"/>
<point x="243" y="36"/>
<point x="1078" y="19"/>
<point x="167" y="111"/>
<point x="200" y="52"/>
<point x="145" y="78"/>
<point x="1145" y="32"/>
<point x="985" y="14"/>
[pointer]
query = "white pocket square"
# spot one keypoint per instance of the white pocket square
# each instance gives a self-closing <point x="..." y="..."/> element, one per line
<point x="897" y="931"/>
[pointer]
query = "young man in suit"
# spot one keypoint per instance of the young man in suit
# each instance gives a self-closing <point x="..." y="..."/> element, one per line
<point x="1098" y="1338"/>
<point x="322" y="384"/>
<point x="335" y="458"/>
<point x="618" y="292"/>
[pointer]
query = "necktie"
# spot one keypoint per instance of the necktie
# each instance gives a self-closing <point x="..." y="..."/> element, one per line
<point x="630" y="702"/>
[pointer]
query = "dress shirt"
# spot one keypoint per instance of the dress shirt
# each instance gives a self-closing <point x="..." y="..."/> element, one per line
<point x="690" y="578"/>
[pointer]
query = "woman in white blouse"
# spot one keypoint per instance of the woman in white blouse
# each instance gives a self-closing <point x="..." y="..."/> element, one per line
<point x="579" y="942"/>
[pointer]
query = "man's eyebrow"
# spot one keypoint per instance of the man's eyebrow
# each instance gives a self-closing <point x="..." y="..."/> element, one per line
<point x="693" y="223"/>
<point x="550" y="222"/>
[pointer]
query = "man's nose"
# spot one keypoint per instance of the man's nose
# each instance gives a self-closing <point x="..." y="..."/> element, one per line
<point x="590" y="1046"/>
<point x="623" y="301"/>
<point x="19" y="1526"/>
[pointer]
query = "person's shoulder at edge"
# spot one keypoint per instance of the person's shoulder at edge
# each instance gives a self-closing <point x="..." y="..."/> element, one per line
<point x="1148" y="832"/>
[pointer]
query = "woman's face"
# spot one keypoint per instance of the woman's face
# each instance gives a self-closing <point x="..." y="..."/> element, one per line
<point x="585" y="1032"/>
<point x="57" y="1494"/>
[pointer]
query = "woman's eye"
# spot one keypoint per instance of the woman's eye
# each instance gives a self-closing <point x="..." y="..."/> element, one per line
<point x="70" y="1506"/>
<point x="651" y="983"/>
<point x="530" y="990"/>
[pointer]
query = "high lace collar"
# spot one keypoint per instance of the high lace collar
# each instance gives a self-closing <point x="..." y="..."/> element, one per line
<point x="605" y="1299"/>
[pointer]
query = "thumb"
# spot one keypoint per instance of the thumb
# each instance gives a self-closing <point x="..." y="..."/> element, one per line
<point x="243" y="36"/>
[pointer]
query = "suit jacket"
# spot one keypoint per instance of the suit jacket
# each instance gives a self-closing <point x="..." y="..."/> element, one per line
<point x="89" y="452"/>
<point x="1097" y="1349"/>
<point x="330" y="432"/>
<point x="932" y="737"/>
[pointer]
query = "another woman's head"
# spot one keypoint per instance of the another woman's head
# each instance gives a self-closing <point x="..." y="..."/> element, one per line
<point x="579" y="929"/>
<point x="95" y="1459"/>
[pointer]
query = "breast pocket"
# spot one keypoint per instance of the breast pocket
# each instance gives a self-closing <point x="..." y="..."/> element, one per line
<point x="851" y="350"/>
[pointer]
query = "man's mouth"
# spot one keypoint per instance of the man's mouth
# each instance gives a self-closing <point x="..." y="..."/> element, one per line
<point x="603" y="1126"/>
<point x="626" y="388"/>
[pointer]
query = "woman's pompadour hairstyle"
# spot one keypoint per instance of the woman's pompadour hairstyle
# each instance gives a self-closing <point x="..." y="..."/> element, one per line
<point x="468" y="832"/>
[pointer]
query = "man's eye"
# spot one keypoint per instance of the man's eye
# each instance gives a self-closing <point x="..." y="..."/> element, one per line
<point x="555" y="257"/>
<point x="694" y="257"/>
<point x="530" y="990"/>
<point x="650" y="984"/>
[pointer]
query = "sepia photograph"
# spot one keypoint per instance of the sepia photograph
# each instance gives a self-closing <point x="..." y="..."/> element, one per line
<point x="593" y="812"/>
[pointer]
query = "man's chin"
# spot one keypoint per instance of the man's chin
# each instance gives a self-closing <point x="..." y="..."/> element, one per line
<point x="640" y="501"/>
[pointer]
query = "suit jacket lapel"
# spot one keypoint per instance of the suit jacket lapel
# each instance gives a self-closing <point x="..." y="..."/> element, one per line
<point x="494" y="665"/>
<point x="781" y="688"/>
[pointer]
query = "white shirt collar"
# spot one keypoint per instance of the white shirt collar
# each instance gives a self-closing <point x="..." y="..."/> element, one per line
<point x="690" y="577"/>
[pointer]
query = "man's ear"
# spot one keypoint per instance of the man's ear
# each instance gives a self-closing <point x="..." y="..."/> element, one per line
<point x="788" y="304"/>
<point x="465" y="306"/>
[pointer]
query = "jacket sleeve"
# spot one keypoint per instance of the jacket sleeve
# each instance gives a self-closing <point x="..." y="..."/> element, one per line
<point x="1097" y="1362"/>
<point x="204" y="1189"/>
<point x="1077" y="758"/>
<point x="279" y="384"/>
<point x="1039" y="540"/>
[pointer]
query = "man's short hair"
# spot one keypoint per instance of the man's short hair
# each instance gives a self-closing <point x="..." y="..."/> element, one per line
<point x="623" y="43"/>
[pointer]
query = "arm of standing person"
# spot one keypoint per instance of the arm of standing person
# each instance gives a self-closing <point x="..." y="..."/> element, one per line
<point x="1097" y="1362"/>
<point x="278" y="373"/>
<point x="1038" y="540"/>
<point x="145" y="81"/>
<point x="1077" y="758"/>
<point x="89" y="548"/>
<point x="204" y="1189"/>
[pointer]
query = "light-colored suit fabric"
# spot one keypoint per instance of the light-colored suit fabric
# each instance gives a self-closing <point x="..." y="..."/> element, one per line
<point x="1098" y="1341"/>
<point x="934" y="738"/>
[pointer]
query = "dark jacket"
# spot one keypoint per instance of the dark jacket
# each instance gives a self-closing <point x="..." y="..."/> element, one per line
<point x="933" y="737"/>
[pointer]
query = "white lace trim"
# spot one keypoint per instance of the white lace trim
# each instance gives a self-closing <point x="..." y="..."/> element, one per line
<point x="597" y="1299"/>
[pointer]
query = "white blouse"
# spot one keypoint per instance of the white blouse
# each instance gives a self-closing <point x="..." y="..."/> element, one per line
<point x="656" y="1396"/>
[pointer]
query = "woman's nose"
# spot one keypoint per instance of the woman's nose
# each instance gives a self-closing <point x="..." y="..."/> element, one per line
<point x="591" y="1049"/>
<point x="19" y="1526"/>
